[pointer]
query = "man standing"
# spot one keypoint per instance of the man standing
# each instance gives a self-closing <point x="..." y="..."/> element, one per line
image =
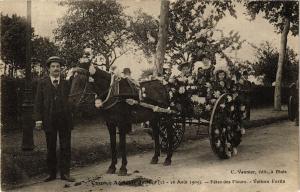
<point x="245" y="93"/>
<point x="52" y="113"/>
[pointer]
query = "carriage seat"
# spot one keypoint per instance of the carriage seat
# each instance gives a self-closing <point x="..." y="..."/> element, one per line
<point x="152" y="92"/>
<point x="128" y="88"/>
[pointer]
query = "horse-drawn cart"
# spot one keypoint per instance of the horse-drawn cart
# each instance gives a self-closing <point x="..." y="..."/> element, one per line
<point x="168" y="104"/>
<point x="224" y="127"/>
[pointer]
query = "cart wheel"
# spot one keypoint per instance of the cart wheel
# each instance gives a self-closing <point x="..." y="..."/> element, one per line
<point x="225" y="129"/>
<point x="178" y="126"/>
<point x="291" y="108"/>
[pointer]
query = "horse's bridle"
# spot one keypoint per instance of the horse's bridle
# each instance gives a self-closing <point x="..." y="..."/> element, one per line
<point x="84" y="94"/>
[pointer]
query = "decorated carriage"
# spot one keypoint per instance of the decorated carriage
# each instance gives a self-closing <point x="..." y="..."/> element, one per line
<point x="207" y="99"/>
<point x="169" y="103"/>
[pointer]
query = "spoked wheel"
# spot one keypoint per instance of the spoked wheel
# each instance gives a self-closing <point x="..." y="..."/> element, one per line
<point x="177" y="125"/>
<point x="291" y="108"/>
<point x="225" y="128"/>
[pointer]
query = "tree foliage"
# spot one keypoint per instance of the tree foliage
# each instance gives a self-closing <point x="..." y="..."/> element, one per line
<point x="13" y="41"/>
<point x="100" y="25"/>
<point x="266" y="64"/>
<point x="42" y="49"/>
<point x="274" y="11"/>
<point x="144" y="28"/>
<point x="284" y="15"/>
<point x="192" y="31"/>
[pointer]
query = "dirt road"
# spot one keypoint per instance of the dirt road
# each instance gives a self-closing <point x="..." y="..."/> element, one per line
<point x="267" y="161"/>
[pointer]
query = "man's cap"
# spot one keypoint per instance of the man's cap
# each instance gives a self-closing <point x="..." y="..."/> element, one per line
<point x="185" y="64"/>
<point x="126" y="70"/>
<point x="54" y="59"/>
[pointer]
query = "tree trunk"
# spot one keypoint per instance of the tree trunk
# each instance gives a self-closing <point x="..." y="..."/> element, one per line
<point x="162" y="38"/>
<point x="10" y="71"/>
<point x="5" y="68"/>
<point x="283" y="44"/>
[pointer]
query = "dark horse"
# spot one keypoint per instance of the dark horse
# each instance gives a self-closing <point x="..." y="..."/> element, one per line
<point x="118" y="113"/>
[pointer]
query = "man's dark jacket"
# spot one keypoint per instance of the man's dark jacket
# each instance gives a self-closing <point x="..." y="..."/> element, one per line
<point x="44" y="103"/>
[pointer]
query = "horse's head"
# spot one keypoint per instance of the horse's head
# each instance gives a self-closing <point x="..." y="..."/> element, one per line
<point x="83" y="93"/>
<point x="79" y="86"/>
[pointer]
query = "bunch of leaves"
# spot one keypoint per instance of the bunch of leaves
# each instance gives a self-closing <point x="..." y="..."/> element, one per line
<point x="13" y="40"/>
<point x="266" y="64"/>
<point x="98" y="25"/>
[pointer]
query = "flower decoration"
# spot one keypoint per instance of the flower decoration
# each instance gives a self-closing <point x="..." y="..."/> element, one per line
<point x="229" y="98"/>
<point x="234" y="151"/>
<point x="91" y="79"/>
<point x="235" y="95"/>
<point x="222" y="83"/>
<point x="243" y="131"/>
<point x="228" y="145"/>
<point x="212" y="101"/>
<point x="217" y="132"/>
<point x="222" y="105"/>
<point x="98" y="103"/>
<point x="164" y="82"/>
<point x="217" y="94"/>
<point x="208" y="107"/>
<point x="243" y="107"/>
<point x="181" y="90"/>
<point x="232" y="108"/>
<point x="197" y="99"/>
<point x="208" y="85"/>
<point x="190" y="80"/>
<point x="218" y="144"/>
<point x="171" y="80"/>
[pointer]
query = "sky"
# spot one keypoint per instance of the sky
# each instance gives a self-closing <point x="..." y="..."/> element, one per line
<point x="45" y="15"/>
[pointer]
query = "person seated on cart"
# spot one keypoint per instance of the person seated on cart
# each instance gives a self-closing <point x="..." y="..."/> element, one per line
<point x="183" y="86"/>
<point x="204" y="76"/>
<point x="221" y="82"/>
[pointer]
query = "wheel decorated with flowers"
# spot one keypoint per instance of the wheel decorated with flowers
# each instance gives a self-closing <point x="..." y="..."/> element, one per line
<point x="177" y="124"/>
<point x="225" y="126"/>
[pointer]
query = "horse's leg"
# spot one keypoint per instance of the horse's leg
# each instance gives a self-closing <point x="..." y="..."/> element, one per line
<point x="122" y="144"/>
<point x="170" y="133"/>
<point x="155" y="128"/>
<point x="112" y="133"/>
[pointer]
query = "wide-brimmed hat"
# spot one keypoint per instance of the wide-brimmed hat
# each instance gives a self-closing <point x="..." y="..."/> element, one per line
<point x="217" y="72"/>
<point x="126" y="70"/>
<point x="185" y="64"/>
<point x="54" y="59"/>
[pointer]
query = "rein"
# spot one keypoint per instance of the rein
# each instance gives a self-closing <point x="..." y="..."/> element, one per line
<point x="84" y="92"/>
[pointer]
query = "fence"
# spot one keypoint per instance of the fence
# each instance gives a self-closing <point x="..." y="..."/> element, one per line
<point x="262" y="96"/>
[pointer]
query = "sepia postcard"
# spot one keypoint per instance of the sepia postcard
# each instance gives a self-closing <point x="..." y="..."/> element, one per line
<point x="149" y="95"/>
